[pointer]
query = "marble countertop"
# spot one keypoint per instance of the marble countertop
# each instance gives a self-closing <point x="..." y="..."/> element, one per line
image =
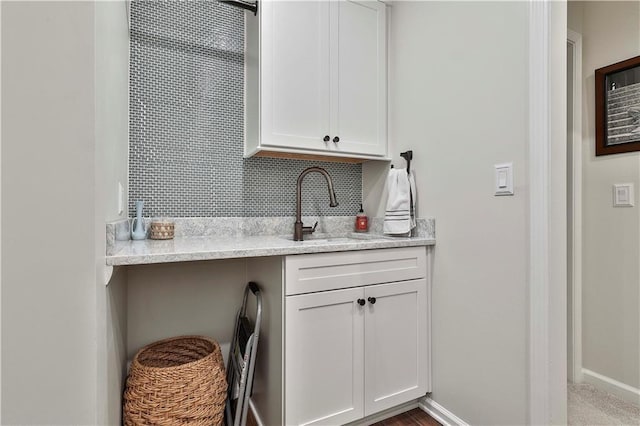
<point x="228" y="238"/>
<point x="186" y="249"/>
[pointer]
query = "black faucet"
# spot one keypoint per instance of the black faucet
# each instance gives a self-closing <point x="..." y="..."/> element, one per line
<point x="299" y="229"/>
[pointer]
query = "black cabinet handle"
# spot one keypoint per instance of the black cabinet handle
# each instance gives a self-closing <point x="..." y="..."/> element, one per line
<point x="372" y="300"/>
<point x="361" y="302"/>
<point x="336" y="139"/>
<point x="326" y="138"/>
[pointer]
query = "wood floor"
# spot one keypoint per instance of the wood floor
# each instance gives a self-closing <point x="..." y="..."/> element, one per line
<point x="415" y="417"/>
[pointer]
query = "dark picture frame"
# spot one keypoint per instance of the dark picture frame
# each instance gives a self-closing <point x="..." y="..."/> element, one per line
<point x="618" y="107"/>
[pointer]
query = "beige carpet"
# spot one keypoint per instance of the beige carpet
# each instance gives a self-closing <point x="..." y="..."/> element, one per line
<point x="589" y="406"/>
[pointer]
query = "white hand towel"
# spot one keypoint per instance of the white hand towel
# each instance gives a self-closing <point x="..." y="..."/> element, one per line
<point x="400" y="213"/>
<point x="412" y="206"/>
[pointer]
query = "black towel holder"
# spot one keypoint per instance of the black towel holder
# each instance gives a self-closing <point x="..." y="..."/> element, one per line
<point x="246" y="5"/>
<point x="407" y="155"/>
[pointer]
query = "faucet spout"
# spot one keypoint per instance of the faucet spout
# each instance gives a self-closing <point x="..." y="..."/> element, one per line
<point x="299" y="230"/>
<point x="332" y="197"/>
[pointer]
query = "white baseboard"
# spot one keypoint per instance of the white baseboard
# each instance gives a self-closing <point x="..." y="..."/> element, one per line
<point x="441" y="414"/>
<point x="612" y="386"/>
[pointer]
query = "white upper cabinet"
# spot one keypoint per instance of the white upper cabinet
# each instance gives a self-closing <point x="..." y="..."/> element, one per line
<point x="316" y="79"/>
<point x="359" y="77"/>
<point x="295" y="74"/>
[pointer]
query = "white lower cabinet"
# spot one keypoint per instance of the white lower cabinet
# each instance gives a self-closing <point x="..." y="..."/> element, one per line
<point x="395" y="336"/>
<point x="353" y="352"/>
<point x="324" y="375"/>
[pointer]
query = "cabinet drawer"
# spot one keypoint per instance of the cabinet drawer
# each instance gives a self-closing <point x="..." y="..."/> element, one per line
<point x="309" y="273"/>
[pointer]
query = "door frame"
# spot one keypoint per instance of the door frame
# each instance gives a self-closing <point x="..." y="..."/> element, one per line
<point x="574" y="357"/>
<point x="547" y="214"/>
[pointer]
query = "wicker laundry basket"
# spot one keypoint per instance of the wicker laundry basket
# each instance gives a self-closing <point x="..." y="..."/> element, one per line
<point x="177" y="381"/>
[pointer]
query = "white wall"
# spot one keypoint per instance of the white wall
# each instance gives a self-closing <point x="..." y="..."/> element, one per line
<point x="459" y="99"/>
<point x="611" y="236"/>
<point x="575" y="11"/>
<point x="112" y="102"/>
<point x="48" y="214"/>
<point x="65" y="148"/>
<point x="0" y="220"/>
<point x="112" y="347"/>
<point x="188" y="298"/>
<point x="111" y="159"/>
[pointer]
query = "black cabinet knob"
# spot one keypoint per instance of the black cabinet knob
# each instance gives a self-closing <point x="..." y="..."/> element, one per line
<point x="372" y="300"/>
<point x="361" y="302"/>
<point x="326" y="138"/>
<point x="336" y="139"/>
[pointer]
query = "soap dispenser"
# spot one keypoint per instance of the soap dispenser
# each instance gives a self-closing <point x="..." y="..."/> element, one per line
<point x="362" y="221"/>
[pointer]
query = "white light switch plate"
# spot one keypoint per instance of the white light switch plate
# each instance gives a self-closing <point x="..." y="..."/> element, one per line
<point x="623" y="195"/>
<point x="504" y="179"/>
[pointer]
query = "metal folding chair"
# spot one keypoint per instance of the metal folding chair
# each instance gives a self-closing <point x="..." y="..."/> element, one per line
<point x="242" y="358"/>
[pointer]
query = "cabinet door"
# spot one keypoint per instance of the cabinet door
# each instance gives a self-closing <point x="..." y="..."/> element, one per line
<point x="295" y="74"/>
<point x="323" y="358"/>
<point x="358" y="77"/>
<point x="396" y="338"/>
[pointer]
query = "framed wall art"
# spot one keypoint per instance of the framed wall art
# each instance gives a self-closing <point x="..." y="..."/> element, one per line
<point x="618" y="107"/>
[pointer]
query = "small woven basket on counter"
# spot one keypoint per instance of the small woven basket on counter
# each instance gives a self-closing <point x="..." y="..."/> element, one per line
<point x="177" y="381"/>
<point x="161" y="230"/>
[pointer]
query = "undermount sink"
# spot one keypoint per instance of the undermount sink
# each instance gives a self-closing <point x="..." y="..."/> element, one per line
<point x="340" y="238"/>
<point x="329" y="240"/>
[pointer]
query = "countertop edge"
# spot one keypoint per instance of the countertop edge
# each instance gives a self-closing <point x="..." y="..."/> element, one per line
<point x="231" y="253"/>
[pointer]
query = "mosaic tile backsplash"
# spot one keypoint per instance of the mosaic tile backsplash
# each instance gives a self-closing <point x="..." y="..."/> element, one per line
<point x="186" y="123"/>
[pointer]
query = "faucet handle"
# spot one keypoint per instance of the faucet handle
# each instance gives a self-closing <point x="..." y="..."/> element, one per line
<point x="309" y="229"/>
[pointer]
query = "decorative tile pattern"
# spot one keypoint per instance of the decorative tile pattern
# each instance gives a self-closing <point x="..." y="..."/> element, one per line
<point x="270" y="188"/>
<point x="186" y="123"/>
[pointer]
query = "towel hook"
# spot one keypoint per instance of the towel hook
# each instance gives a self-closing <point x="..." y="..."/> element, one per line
<point x="407" y="155"/>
